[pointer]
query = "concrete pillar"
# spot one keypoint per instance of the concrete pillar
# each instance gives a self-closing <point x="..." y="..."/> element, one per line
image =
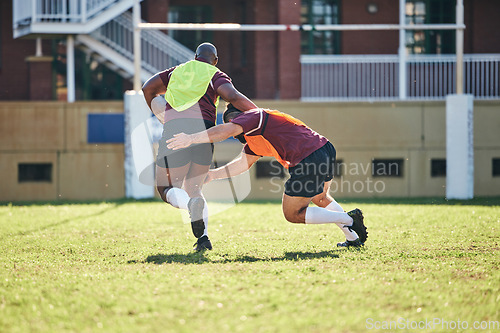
<point x="459" y="147"/>
<point x="289" y="51"/>
<point x="40" y="78"/>
<point x="265" y="54"/>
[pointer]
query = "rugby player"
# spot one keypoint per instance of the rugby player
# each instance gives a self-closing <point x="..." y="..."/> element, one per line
<point x="308" y="156"/>
<point x="192" y="92"/>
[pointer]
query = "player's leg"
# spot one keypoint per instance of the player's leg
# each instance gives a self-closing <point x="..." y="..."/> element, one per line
<point x="299" y="192"/>
<point x="172" y="167"/>
<point x="169" y="185"/>
<point x="325" y="200"/>
<point x="198" y="208"/>
<point x="307" y="182"/>
<point x="357" y="227"/>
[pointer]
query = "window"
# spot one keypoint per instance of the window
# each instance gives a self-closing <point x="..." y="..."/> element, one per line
<point x="320" y="12"/>
<point x="34" y="172"/>
<point x="93" y="79"/>
<point x="190" y="14"/>
<point x="387" y="168"/>
<point x="438" y="167"/>
<point x="269" y="169"/>
<point x="495" y="167"/>
<point x="428" y="12"/>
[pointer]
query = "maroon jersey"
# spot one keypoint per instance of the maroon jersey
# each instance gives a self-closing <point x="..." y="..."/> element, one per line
<point x="206" y="104"/>
<point x="291" y="139"/>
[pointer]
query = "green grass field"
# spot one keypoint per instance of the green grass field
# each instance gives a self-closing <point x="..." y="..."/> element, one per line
<point x="127" y="266"/>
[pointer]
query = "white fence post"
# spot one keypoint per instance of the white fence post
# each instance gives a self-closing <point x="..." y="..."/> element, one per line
<point x="139" y="156"/>
<point x="459" y="147"/>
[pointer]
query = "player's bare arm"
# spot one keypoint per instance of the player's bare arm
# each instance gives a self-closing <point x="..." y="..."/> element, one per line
<point x="229" y="93"/>
<point x="237" y="166"/>
<point x="153" y="87"/>
<point x="214" y="134"/>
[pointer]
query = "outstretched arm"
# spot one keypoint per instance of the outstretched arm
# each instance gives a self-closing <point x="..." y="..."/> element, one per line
<point x="237" y="166"/>
<point x="214" y="134"/>
<point x="229" y="93"/>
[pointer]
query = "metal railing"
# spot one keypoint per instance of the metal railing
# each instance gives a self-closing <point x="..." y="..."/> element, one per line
<point x="376" y="77"/>
<point x="159" y="51"/>
<point x="30" y="11"/>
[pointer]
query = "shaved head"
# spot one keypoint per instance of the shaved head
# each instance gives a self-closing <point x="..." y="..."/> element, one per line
<point x="208" y="52"/>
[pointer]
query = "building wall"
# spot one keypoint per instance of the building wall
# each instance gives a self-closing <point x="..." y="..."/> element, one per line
<point x="56" y="132"/>
<point x="369" y="42"/>
<point x="263" y="65"/>
<point x="413" y="131"/>
<point x="14" y="65"/>
<point x="482" y="26"/>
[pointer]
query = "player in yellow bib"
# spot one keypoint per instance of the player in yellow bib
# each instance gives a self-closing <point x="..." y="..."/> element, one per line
<point x="192" y="92"/>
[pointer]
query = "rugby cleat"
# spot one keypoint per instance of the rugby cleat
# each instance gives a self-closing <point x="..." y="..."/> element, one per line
<point x="347" y="244"/>
<point x="357" y="225"/>
<point x="202" y="244"/>
<point x="195" y="208"/>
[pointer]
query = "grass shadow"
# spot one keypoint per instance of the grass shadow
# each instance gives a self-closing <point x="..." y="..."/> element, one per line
<point x="201" y="258"/>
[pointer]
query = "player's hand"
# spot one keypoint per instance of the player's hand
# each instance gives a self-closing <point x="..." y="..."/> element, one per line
<point x="179" y="141"/>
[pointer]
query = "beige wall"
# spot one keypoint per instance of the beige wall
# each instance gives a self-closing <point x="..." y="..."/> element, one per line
<point x="56" y="132"/>
<point x="413" y="131"/>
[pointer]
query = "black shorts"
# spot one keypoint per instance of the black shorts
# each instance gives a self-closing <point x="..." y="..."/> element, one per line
<point x="308" y="178"/>
<point x="199" y="154"/>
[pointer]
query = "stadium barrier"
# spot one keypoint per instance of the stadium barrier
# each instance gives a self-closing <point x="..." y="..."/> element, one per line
<point x="76" y="150"/>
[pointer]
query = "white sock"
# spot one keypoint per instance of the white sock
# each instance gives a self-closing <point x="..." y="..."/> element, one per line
<point x="349" y="235"/>
<point x="319" y="215"/>
<point x="177" y="197"/>
<point x="334" y="206"/>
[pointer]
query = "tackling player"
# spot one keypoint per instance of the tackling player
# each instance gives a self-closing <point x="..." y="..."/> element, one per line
<point x="309" y="157"/>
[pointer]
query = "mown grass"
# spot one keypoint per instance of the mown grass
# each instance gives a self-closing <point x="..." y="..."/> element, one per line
<point x="127" y="266"/>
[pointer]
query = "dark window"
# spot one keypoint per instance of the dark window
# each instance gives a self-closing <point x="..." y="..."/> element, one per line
<point x="269" y="169"/>
<point x="190" y="14"/>
<point x="429" y="12"/>
<point x="339" y="168"/>
<point x="93" y="80"/>
<point x="320" y="12"/>
<point x="387" y="168"/>
<point x="34" y="172"/>
<point x="496" y="167"/>
<point x="438" y="167"/>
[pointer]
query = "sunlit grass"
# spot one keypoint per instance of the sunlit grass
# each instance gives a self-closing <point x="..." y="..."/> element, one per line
<point x="128" y="266"/>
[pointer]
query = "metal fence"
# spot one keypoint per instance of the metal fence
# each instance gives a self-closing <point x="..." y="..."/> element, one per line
<point x="376" y="77"/>
<point x="30" y="11"/>
<point x="158" y="50"/>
